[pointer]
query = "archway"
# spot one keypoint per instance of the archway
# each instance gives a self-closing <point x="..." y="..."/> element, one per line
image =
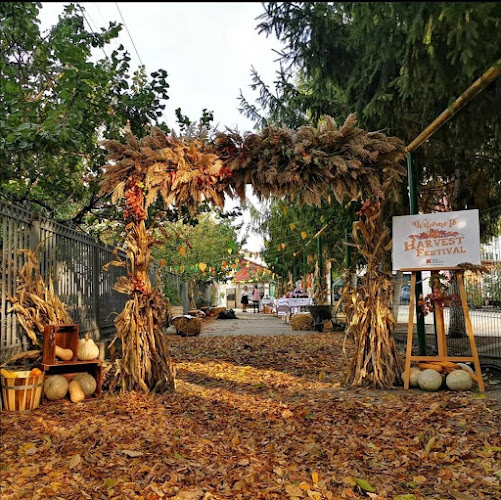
<point x="306" y="165"/>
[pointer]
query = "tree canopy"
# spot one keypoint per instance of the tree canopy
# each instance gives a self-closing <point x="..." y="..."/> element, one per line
<point x="397" y="65"/>
<point x="59" y="99"/>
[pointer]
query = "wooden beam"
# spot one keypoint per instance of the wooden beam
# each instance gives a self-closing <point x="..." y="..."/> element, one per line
<point x="488" y="77"/>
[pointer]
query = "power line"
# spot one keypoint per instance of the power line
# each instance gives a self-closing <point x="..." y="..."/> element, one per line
<point x="128" y="32"/>
<point x="90" y="27"/>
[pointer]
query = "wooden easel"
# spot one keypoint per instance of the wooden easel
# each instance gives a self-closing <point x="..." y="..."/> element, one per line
<point x="441" y="340"/>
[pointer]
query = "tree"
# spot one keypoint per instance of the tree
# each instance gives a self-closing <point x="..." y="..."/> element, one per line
<point x="398" y="66"/>
<point x="58" y="101"/>
<point x="203" y="252"/>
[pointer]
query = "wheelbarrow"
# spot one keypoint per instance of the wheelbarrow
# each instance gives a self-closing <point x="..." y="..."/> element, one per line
<point x="320" y="314"/>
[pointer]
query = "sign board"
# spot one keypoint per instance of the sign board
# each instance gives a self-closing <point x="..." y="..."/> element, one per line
<point x="436" y="241"/>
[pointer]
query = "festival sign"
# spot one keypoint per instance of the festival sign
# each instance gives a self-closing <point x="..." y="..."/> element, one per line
<point x="436" y="241"/>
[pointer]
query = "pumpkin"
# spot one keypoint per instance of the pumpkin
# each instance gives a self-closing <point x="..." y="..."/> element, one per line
<point x="87" y="349"/>
<point x="55" y="387"/>
<point x="64" y="354"/>
<point x="87" y="383"/>
<point x="36" y="372"/>
<point x="76" y="393"/>
<point x="459" y="380"/>
<point x="430" y="380"/>
<point x="413" y="378"/>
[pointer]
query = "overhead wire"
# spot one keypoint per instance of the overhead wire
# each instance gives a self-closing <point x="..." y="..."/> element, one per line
<point x="128" y="32"/>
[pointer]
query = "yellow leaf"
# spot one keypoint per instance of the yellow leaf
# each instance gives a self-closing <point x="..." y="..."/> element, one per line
<point x="293" y="491"/>
<point x="303" y="235"/>
<point x="181" y="268"/>
<point x="202" y="266"/>
<point x="74" y="461"/>
<point x="419" y="479"/>
<point x="304" y="485"/>
<point x="314" y="477"/>
<point x="430" y="443"/>
<point x="182" y="250"/>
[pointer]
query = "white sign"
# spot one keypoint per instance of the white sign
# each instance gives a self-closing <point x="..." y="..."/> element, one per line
<point x="436" y="241"/>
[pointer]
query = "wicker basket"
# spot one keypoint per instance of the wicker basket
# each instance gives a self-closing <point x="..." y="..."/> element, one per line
<point x="23" y="392"/>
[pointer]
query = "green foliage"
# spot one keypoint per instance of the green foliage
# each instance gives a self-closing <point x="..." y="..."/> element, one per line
<point x="58" y="102"/>
<point x="207" y="242"/>
<point x="398" y="66"/>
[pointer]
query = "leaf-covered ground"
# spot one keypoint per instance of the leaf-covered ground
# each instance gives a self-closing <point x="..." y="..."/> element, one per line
<point x="257" y="418"/>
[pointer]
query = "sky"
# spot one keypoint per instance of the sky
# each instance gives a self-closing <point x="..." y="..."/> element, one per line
<point x="207" y="49"/>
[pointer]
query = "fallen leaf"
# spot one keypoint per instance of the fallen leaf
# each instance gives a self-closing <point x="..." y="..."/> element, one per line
<point x="287" y="414"/>
<point x="133" y="453"/>
<point x="419" y="479"/>
<point x="293" y="491"/>
<point x="408" y="496"/>
<point x="74" y="461"/>
<point x="430" y="443"/>
<point x="365" y="485"/>
<point x="244" y="461"/>
<point x="190" y="494"/>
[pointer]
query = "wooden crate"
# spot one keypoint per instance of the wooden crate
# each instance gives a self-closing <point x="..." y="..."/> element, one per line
<point x="23" y="392"/>
<point x="68" y="370"/>
<point x="64" y="336"/>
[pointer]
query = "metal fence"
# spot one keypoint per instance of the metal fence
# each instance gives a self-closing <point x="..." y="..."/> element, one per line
<point x="75" y="262"/>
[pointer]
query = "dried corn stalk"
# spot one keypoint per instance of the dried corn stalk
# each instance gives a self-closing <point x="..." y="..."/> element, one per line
<point x="306" y="165"/>
<point x="35" y="303"/>
<point x="371" y="325"/>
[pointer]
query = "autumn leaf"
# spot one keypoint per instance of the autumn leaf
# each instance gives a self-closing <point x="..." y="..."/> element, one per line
<point x="365" y="485"/>
<point x="133" y="453"/>
<point x="74" y="461"/>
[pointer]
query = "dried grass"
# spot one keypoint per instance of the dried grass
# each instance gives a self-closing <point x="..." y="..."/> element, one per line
<point x="302" y="321"/>
<point x="188" y="327"/>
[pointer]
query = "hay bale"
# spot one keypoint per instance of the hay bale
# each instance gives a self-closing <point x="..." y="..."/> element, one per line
<point x="187" y="327"/>
<point x="216" y="310"/>
<point x="302" y="321"/>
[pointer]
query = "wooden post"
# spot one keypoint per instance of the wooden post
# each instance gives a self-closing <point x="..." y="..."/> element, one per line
<point x="441" y="338"/>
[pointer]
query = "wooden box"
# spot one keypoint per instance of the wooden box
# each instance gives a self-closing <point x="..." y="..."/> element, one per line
<point x="65" y="336"/>
<point x="69" y="369"/>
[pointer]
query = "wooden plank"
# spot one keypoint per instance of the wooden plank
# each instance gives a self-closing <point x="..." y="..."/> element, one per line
<point x="469" y="328"/>
<point x="410" y="328"/>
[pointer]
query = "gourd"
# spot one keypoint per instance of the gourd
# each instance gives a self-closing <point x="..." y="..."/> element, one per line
<point x="430" y="380"/>
<point x="36" y="372"/>
<point x="8" y="374"/>
<point x="55" y="387"/>
<point x="468" y="369"/>
<point x="64" y="354"/>
<point x="413" y="378"/>
<point x="87" y="383"/>
<point x="87" y="349"/>
<point x="76" y="393"/>
<point x="459" y="380"/>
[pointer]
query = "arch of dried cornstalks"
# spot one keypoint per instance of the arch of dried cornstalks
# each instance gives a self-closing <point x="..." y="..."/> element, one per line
<point x="307" y="165"/>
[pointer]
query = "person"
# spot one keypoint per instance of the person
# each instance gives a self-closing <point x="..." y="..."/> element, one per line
<point x="256" y="297"/>
<point x="244" y="299"/>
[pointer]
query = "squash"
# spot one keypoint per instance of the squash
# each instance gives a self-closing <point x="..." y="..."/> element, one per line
<point x="430" y="380"/>
<point x="468" y="369"/>
<point x="55" y="387"/>
<point x="87" y="383"/>
<point x="8" y="374"/>
<point x="87" y="349"/>
<point x="64" y="354"/>
<point x="76" y="393"/>
<point x="413" y="378"/>
<point x="459" y="380"/>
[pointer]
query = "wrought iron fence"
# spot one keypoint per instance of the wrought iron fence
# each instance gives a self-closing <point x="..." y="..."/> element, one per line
<point x="75" y="262"/>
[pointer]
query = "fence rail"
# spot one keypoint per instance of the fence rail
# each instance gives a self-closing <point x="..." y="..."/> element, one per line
<point x="75" y="262"/>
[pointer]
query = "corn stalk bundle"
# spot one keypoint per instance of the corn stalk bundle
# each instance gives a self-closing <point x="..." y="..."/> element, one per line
<point x="306" y="165"/>
<point x="302" y="321"/>
<point x="309" y="164"/>
<point x="35" y="303"/>
<point x="188" y="327"/>
<point x="375" y="361"/>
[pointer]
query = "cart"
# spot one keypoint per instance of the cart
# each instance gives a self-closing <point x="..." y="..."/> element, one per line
<point x="320" y="314"/>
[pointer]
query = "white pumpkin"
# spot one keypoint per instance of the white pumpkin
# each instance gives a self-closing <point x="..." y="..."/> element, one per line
<point x="413" y="378"/>
<point x="87" y="349"/>
<point x="459" y="380"/>
<point x="466" y="368"/>
<point x="429" y="380"/>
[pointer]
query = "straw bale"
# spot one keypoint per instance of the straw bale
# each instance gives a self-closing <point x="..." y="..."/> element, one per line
<point x="187" y="327"/>
<point x="302" y="321"/>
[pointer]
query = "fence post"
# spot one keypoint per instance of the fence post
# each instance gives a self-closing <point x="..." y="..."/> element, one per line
<point x="96" y="275"/>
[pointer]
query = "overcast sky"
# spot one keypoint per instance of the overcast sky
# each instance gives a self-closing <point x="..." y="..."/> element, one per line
<point x="207" y="49"/>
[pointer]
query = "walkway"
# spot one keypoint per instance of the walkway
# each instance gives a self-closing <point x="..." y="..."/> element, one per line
<point x="249" y="323"/>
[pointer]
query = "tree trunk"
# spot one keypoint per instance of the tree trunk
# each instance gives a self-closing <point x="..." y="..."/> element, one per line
<point x="398" y="280"/>
<point x="191" y="294"/>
